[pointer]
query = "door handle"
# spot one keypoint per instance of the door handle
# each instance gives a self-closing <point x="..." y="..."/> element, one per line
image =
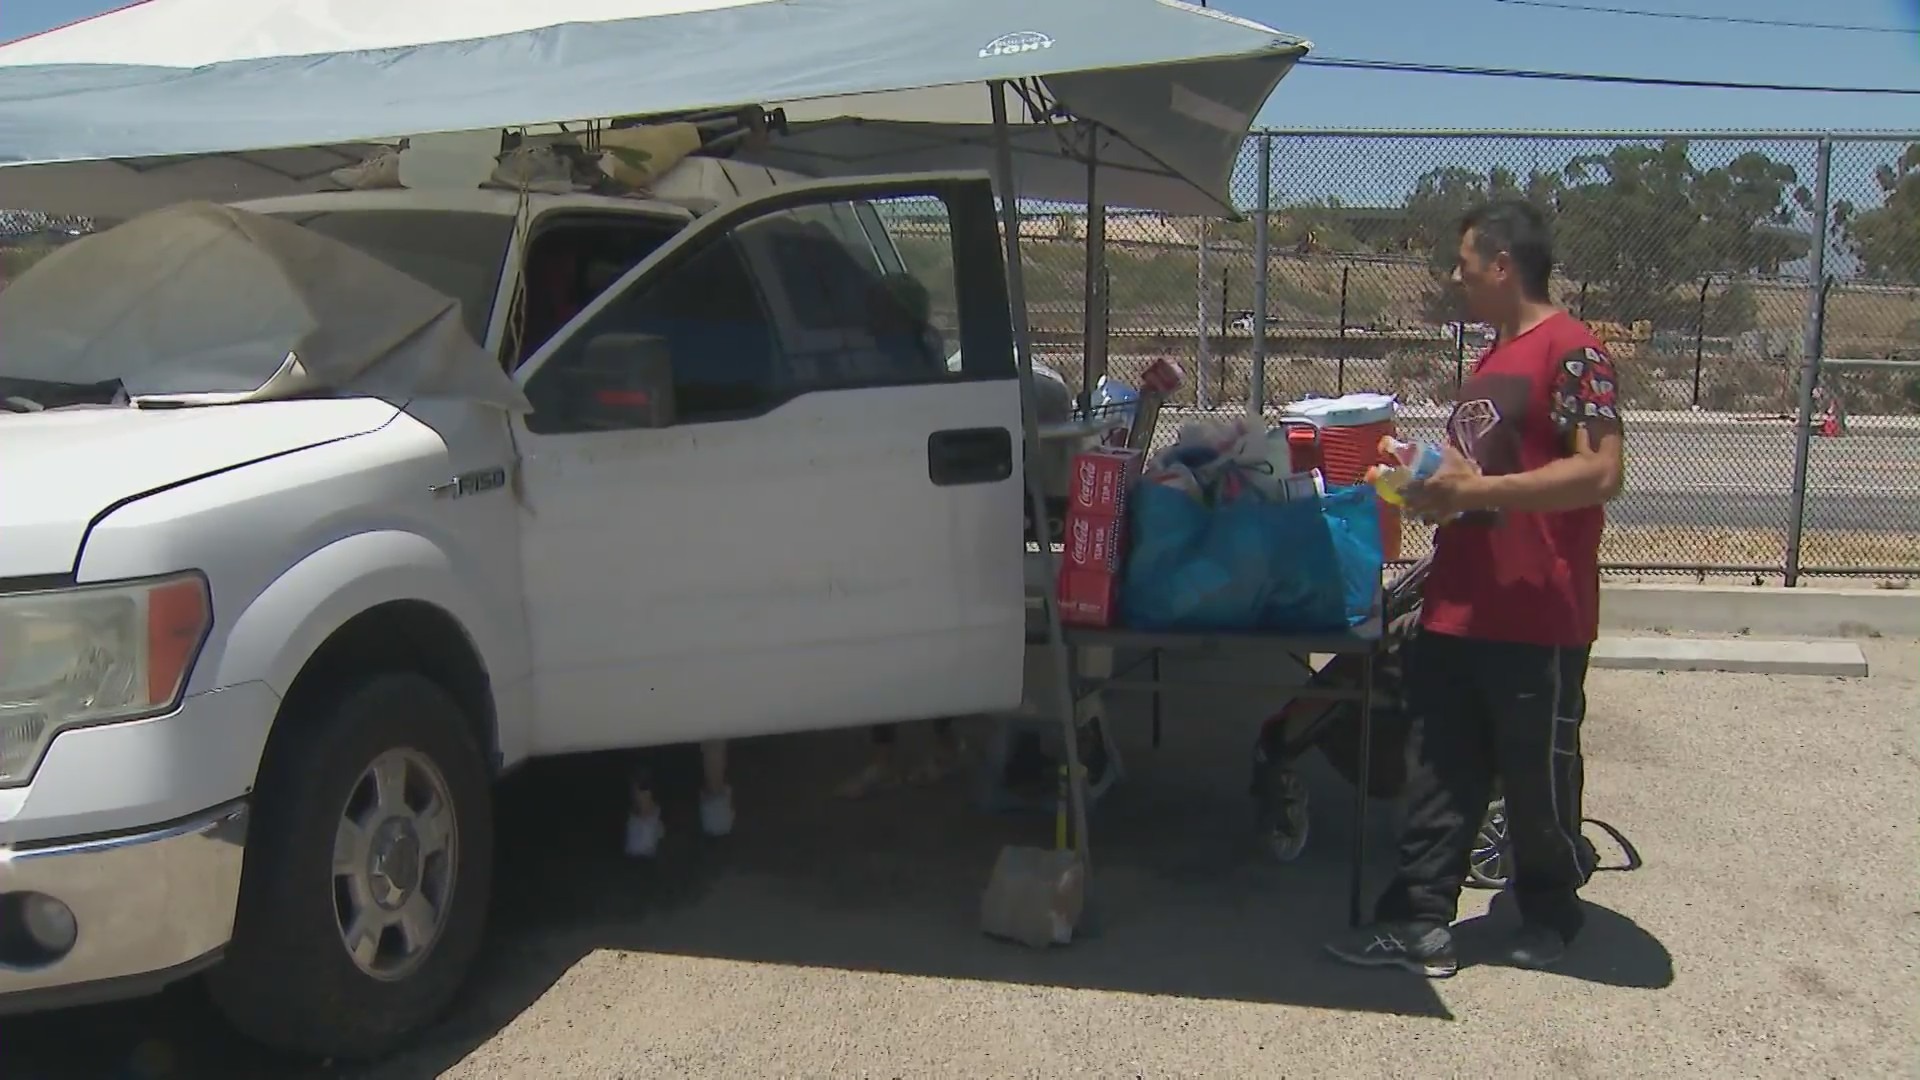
<point x="969" y="456"/>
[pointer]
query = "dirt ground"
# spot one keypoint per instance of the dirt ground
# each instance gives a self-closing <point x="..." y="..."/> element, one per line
<point x="1774" y="930"/>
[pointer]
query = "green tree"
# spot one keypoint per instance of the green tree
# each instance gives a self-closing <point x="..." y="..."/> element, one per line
<point x="1887" y="238"/>
<point x="1639" y="222"/>
<point x="1443" y="196"/>
<point x="1440" y="199"/>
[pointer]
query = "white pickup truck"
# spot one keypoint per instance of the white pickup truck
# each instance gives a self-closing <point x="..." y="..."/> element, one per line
<point x="260" y="663"/>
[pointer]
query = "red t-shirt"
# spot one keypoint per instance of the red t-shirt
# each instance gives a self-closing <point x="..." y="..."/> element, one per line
<point x="1514" y="576"/>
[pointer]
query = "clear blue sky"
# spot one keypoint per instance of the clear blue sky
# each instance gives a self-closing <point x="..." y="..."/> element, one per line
<point x="1490" y="33"/>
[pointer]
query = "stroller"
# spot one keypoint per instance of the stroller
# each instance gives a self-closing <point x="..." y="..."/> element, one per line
<point x="1333" y="728"/>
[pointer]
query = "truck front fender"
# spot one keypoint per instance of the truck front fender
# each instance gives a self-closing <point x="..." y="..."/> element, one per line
<point x="288" y="622"/>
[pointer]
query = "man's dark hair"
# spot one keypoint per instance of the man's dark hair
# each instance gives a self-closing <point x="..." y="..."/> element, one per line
<point x="1519" y="229"/>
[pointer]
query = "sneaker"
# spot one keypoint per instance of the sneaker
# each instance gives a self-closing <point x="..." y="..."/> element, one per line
<point x="716" y="813"/>
<point x="644" y="835"/>
<point x="940" y="763"/>
<point x="1423" y="950"/>
<point x="874" y="778"/>
<point x="1536" y="948"/>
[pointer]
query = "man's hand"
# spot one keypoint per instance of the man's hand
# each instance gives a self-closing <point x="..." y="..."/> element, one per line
<point x="1455" y="487"/>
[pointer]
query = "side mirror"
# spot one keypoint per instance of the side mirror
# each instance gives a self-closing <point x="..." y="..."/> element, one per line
<point x="624" y="381"/>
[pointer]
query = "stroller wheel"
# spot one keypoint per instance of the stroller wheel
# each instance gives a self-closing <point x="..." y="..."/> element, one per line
<point x="1283" y="814"/>
<point x="1487" y="864"/>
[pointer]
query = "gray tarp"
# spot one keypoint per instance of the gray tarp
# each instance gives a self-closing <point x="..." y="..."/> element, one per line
<point x="210" y="304"/>
<point x="1177" y="86"/>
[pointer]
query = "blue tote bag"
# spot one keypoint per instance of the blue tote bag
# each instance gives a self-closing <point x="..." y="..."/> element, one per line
<point x="1305" y="566"/>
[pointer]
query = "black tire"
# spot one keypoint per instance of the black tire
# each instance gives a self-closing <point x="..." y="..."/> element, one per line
<point x="287" y="980"/>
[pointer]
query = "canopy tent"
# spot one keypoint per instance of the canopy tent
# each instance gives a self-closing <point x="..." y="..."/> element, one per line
<point x="870" y="85"/>
<point x="1160" y="94"/>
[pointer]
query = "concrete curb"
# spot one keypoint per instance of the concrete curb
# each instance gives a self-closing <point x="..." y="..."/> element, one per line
<point x="1798" y="612"/>
<point x="1831" y="658"/>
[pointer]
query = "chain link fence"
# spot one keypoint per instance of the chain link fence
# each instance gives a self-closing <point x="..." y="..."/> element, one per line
<point x="1709" y="265"/>
<point x="1693" y="258"/>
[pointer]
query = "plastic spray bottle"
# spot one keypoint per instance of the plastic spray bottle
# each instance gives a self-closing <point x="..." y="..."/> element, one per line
<point x="1417" y="461"/>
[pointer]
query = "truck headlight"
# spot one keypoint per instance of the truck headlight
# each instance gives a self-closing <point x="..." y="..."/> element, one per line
<point x="93" y="655"/>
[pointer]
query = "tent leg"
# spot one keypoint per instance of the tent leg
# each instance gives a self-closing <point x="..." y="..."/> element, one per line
<point x="1036" y="492"/>
<point x="1094" y="348"/>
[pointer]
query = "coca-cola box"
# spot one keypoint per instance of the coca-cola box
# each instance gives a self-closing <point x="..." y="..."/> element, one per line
<point x="1099" y="480"/>
<point x="1088" y="597"/>
<point x="1094" y="542"/>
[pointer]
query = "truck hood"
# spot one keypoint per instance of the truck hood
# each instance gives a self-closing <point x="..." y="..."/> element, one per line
<point x="62" y="469"/>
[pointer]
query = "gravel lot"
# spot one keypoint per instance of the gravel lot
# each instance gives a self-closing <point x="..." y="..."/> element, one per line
<point x="1774" y="931"/>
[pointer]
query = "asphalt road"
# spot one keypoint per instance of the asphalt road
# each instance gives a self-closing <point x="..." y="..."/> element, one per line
<point x="1732" y="477"/>
<point x="1773" y="930"/>
<point x="1739" y="475"/>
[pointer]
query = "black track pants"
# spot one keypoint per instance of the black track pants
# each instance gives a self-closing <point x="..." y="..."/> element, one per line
<point x="1487" y="711"/>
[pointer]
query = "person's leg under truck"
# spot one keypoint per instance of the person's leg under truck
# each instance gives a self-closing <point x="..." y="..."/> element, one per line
<point x="1450" y="769"/>
<point x="1537" y="699"/>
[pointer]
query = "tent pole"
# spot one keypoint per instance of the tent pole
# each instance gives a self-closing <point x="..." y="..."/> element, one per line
<point x="1036" y="492"/>
<point x="1094" y="349"/>
<point x="1262" y="266"/>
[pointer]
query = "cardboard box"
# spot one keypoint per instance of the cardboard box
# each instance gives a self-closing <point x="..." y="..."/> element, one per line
<point x="1088" y="597"/>
<point x="1099" y="481"/>
<point x="1094" y="542"/>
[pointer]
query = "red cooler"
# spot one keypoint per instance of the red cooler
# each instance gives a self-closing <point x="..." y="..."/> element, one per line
<point x="1351" y="428"/>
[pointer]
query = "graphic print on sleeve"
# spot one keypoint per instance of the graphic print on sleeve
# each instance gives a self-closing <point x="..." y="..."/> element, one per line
<point x="1586" y="393"/>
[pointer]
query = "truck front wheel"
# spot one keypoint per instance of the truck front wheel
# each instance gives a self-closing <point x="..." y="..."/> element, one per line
<point x="367" y="876"/>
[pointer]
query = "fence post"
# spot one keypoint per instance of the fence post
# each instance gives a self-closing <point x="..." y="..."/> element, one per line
<point x="1262" y="263"/>
<point x="1810" y="359"/>
<point x="1340" y="378"/>
<point x="1699" y="337"/>
<point x="1459" y="353"/>
<point x="1202" y="348"/>
<point x="1226" y="298"/>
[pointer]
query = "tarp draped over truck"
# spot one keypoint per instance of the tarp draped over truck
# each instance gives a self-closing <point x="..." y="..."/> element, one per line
<point x="877" y="85"/>
<point x="207" y="304"/>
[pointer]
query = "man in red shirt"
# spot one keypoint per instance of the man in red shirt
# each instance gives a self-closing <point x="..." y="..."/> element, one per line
<point x="1494" y="678"/>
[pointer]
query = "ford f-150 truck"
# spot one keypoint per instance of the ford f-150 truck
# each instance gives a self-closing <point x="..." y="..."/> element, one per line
<point x="261" y="662"/>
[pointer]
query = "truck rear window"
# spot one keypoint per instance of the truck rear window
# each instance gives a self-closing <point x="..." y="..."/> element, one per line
<point x="459" y="253"/>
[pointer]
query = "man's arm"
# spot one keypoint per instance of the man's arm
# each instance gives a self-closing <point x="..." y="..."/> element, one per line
<point x="1584" y="404"/>
<point x="1589" y="476"/>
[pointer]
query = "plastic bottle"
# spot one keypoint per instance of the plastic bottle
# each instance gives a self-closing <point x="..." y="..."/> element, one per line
<point x="1417" y="461"/>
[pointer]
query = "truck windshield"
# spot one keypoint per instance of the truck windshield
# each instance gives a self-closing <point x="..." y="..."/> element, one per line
<point x="458" y="253"/>
<point x="182" y="324"/>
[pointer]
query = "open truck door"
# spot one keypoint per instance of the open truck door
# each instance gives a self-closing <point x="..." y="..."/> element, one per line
<point x="757" y="497"/>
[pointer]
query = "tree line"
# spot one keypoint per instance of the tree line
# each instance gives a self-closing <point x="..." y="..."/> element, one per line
<point x="1640" y="225"/>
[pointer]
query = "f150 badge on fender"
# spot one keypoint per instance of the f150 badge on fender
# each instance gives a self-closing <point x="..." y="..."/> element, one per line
<point x="477" y="482"/>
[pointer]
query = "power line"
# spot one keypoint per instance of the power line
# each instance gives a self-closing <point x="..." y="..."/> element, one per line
<point x="1742" y="20"/>
<point x="1355" y="64"/>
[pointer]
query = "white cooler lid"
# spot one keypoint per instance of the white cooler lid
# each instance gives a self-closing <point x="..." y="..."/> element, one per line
<point x="1348" y="410"/>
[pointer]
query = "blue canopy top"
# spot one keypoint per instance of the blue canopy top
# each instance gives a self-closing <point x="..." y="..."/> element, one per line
<point x="1175" y="86"/>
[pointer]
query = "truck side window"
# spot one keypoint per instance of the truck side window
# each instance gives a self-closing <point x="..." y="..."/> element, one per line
<point x="848" y="314"/>
<point x="787" y="303"/>
<point x="715" y="329"/>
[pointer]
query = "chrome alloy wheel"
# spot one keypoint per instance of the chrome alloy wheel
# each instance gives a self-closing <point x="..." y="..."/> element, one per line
<point x="396" y="849"/>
